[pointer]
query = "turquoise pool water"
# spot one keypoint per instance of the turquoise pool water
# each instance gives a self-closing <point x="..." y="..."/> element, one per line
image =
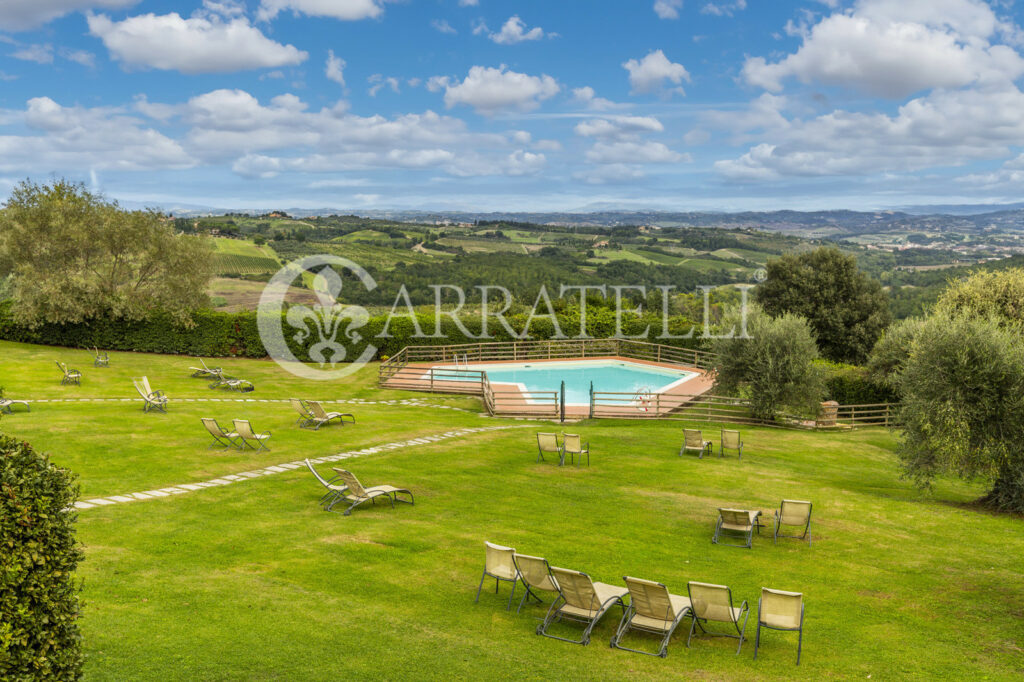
<point x="607" y="375"/>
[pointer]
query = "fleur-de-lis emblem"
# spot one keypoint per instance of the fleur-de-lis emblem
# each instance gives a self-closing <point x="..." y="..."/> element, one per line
<point x="326" y="318"/>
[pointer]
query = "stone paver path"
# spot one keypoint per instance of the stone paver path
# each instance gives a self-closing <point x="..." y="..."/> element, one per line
<point x="184" y="488"/>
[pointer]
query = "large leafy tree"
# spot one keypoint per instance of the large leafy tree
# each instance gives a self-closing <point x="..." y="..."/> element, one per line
<point x="773" y="364"/>
<point x="962" y="386"/>
<point x="71" y="255"/>
<point x="846" y="309"/>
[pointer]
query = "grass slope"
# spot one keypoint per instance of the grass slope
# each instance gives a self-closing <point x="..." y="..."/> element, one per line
<point x="253" y="582"/>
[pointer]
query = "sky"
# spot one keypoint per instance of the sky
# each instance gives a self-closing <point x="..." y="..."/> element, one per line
<point x="517" y="105"/>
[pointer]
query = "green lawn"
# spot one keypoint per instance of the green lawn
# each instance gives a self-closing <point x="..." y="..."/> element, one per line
<point x="252" y="581"/>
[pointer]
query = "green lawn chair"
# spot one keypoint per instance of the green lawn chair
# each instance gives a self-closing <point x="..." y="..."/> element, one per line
<point x="151" y="400"/>
<point x="651" y="609"/>
<point x="778" y="610"/>
<point x="7" y="406"/>
<point x="693" y="441"/>
<point x="220" y="436"/>
<point x="713" y="604"/>
<point x="256" y="441"/>
<point x="100" y="358"/>
<point x="794" y="513"/>
<point x="731" y="440"/>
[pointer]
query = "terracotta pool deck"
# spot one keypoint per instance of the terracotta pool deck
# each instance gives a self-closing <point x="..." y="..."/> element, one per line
<point x="510" y="399"/>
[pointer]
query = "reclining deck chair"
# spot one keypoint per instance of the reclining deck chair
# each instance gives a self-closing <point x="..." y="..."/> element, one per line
<point x="573" y="445"/>
<point x="323" y="417"/>
<point x="151" y="400"/>
<point x="794" y="513"/>
<point x="500" y="564"/>
<point x="740" y="522"/>
<point x="778" y="610"/>
<point x="71" y="376"/>
<point x="233" y="384"/>
<point x="713" y="603"/>
<point x="7" y="406"/>
<point x="357" y="494"/>
<point x="651" y="609"/>
<point x="334" y="491"/>
<point x="582" y="600"/>
<point x="535" y="573"/>
<point x="693" y="440"/>
<point x="548" y="442"/>
<point x="256" y="441"/>
<point x="732" y="440"/>
<point x="204" y="371"/>
<point x="220" y="436"/>
<point x="100" y="358"/>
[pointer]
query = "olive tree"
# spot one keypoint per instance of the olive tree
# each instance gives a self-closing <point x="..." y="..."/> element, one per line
<point x="70" y="256"/>
<point x="773" y="364"/>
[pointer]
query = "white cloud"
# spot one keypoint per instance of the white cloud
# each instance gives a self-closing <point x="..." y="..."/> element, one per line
<point x="468" y="3"/>
<point x="490" y="90"/>
<point x="78" y="138"/>
<point x="942" y="129"/>
<point x="442" y="26"/>
<point x="194" y="45"/>
<point x="619" y="126"/>
<point x="724" y="9"/>
<point x="649" y="73"/>
<point x="588" y="98"/>
<point x="895" y="49"/>
<point x="335" y="69"/>
<point x="40" y="54"/>
<point x="633" y="152"/>
<point x="514" y="31"/>
<point x="610" y="173"/>
<point x="668" y="9"/>
<point x="82" y="57"/>
<point x="21" y="15"/>
<point x="378" y="82"/>
<point x="345" y="10"/>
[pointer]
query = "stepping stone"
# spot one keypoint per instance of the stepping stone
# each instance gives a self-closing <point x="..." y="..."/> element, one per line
<point x="173" y="491"/>
<point x="83" y="505"/>
<point x="99" y="501"/>
<point x="122" y="498"/>
<point x="275" y="469"/>
<point x="291" y="465"/>
<point x="190" y="486"/>
<point x="141" y="496"/>
<point x="220" y="481"/>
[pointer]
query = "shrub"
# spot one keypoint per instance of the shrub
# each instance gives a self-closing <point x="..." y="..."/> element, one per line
<point x="774" y="365"/>
<point x="853" y="385"/>
<point x="39" y="605"/>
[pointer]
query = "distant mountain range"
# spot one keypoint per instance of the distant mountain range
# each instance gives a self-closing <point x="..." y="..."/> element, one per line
<point x="974" y="218"/>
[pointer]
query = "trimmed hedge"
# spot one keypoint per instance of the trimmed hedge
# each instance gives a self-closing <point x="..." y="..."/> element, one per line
<point x="218" y="334"/>
<point x="853" y="385"/>
<point x="39" y="605"/>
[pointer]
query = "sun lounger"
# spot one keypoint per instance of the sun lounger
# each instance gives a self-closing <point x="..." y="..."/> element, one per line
<point x="740" y="522"/>
<point x="151" y="400"/>
<point x="713" y="604"/>
<point x="794" y="513"/>
<point x="323" y="417"/>
<point x="357" y="494"/>
<point x="334" y="491"/>
<point x="693" y="441"/>
<point x="221" y="437"/>
<point x="778" y="610"/>
<point x="582" y="600"/>
<point x="651" y="609"/>
<point x="256" y="441"/>
<point x="7" y="406"/>
<point x="500" y="564"/>
<point x="71" y="376"/>
<point x="232" y="384"/>
<point x="204" y="371"/>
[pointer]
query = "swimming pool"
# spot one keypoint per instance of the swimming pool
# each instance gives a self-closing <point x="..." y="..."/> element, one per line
<point x="615" y="376"/>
